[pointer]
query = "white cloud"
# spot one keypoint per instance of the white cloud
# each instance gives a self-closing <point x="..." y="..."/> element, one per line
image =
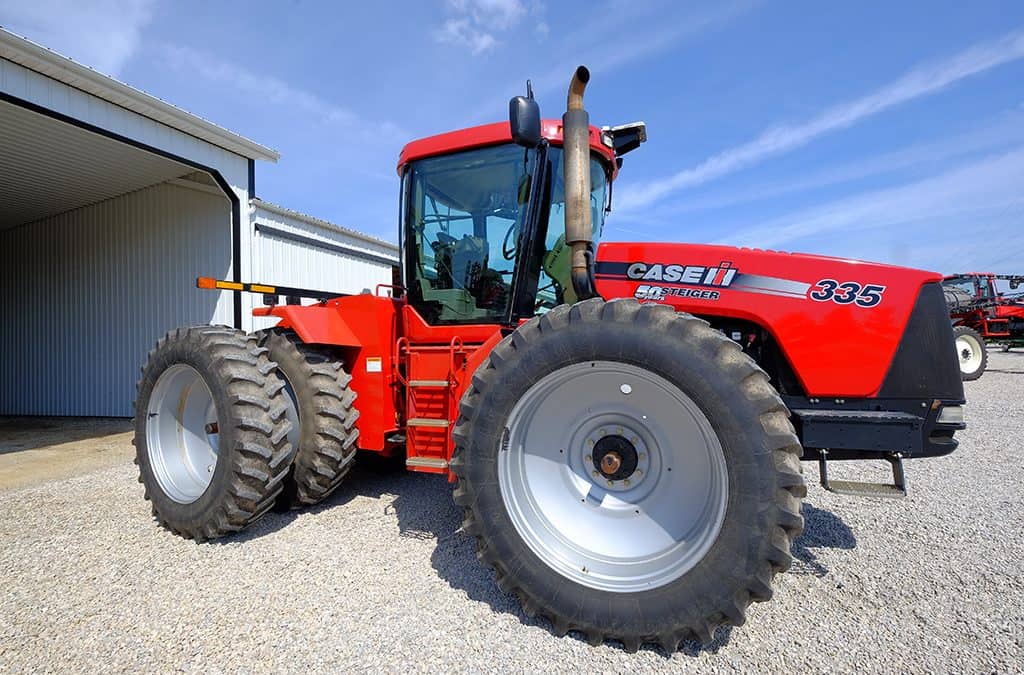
<point x="277" y="91"/>
<point x="101" y="34"/>
<point x="461" y="31"/>
<point x="984" y="191"/>
<point x="493" y="14"/>
<point x="987" y="136"/>
<point x="653" y="31"/>
<point x="921" y="81"/>
<point x="476" y="22"/>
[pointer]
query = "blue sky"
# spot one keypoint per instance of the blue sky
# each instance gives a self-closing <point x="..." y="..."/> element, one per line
<point x="875" y="130"/>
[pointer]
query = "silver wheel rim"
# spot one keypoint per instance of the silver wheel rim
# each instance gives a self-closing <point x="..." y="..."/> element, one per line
<point x="182" y="434"/>
<point x="970" y="353"/>
<point x="614" y="534"/>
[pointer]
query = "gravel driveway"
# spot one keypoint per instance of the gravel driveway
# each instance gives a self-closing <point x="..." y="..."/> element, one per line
<point x="380" y="579"/>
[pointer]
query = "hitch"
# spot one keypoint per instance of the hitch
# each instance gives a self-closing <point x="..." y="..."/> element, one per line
<point x="897" y="490"/>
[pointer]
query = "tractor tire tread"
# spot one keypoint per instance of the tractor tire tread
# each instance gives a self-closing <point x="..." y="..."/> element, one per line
<point x="777" y="526"/>
<point x="327" y="438"/>
<point x="256" y="441"/>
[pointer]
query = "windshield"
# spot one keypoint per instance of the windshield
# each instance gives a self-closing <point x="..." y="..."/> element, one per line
<point x="462" y="223"/>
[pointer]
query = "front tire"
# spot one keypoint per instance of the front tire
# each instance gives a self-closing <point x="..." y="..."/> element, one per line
<point x="970" y="348"/>
<point x="211" y="435"/>
<point x="628" y="550"/>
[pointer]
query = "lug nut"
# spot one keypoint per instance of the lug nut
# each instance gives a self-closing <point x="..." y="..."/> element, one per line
<point x="639" y="472"/>
<point x="587" y="458"/>
<point x="625" y="482"/>
<point x="602" y="432"/>
<point x="618" y="431"/>
<point x="595" y="474"/>
<point x="642" y="457"/>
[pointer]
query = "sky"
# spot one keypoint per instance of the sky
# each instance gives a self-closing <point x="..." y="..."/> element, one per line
<point x="882" y="131"/>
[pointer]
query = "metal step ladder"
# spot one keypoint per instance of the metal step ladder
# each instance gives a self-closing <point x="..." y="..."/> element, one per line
<point x="430" y="407"/>
<point x="896" y="490"/>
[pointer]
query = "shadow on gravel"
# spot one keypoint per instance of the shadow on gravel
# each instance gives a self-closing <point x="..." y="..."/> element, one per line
<point x="425" y="510"/>
<point x="822" y="529"/>
<point x="423" y="505"/>
<point x="372" y="476"/>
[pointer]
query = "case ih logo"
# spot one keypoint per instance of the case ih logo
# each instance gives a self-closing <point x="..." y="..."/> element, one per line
<point x="695" y="275"/>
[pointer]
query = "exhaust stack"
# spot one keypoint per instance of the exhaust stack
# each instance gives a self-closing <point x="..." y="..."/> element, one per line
<point x="576" y="174"/>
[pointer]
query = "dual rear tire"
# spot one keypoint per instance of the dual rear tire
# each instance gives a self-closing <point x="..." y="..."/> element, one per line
<point x="322" y="414"/>
<point x="228" y="425"/>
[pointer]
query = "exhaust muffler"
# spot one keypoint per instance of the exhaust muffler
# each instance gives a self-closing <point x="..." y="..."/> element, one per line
<point x="576" y="174"/>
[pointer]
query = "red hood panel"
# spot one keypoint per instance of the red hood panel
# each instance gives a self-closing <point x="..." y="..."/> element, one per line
<point x="838" y="321"/>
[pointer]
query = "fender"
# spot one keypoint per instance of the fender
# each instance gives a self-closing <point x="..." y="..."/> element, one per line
<point x="315" y="324"/>
<point x="364" y="327"/>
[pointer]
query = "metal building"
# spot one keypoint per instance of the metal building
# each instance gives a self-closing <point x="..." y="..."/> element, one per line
<point x="112" y="202"/>
<point x="293" y="249"/>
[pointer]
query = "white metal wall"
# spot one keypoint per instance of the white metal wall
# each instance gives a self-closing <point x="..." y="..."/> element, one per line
<point x="317" y="262"/>
<point x="117" y="117"/>
<point x="88" y="292"/>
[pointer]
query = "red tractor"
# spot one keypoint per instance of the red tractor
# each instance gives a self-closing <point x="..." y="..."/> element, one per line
<point x="623" y="424"/>
<point x="982" y="312"/>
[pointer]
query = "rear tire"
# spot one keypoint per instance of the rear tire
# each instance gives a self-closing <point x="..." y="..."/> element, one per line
<point x="321" y="408"/>
<point x="211" y="436"/>
<point x="560" y="551"/>
<point x="970" y="348"/>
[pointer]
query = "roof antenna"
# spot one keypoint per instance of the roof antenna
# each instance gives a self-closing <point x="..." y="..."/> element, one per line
<point x="529" y="89"/>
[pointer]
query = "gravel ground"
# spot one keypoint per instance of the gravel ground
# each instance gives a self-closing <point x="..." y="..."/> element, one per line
<point x="380" y="579"/>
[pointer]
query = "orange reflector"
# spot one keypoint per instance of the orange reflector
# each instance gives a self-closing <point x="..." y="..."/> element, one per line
<point x="206" y="282"/>
<point x="230" y="286"/>
<point x="257" y="288"/>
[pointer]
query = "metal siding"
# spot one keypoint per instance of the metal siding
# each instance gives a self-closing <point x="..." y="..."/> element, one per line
<point x="277" y="260"/>
<point x="88" y="292"/>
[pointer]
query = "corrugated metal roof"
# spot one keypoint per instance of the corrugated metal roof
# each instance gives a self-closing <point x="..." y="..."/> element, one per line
<point x="49" y="167"/>
<point x="48" y="62"/>
<point x="256" y="203"/>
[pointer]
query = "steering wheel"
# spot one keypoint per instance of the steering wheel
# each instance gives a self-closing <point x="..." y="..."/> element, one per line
<point x="509" y="252"/>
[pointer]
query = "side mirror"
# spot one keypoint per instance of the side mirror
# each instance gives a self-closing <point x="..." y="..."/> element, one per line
<point x="524" y="119"/>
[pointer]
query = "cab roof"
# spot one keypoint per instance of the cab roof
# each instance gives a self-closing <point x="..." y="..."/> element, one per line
<point x="495" y="134"/>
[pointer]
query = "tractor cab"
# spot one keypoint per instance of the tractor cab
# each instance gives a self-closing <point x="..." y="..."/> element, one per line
<point x="483" y="233"/>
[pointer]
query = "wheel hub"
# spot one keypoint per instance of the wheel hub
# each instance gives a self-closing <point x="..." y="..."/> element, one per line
<point x="613" y="453"/>
<point x="615" y="457"/>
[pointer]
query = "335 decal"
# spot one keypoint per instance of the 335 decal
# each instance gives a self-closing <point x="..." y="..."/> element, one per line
<point x="846" y="293"/>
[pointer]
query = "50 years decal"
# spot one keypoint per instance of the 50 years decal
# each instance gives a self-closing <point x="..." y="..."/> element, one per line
<point x="846" y="293"/>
